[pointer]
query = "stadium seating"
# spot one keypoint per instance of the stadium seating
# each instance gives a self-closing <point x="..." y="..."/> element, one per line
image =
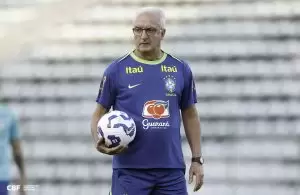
<point x="245" y="60"/>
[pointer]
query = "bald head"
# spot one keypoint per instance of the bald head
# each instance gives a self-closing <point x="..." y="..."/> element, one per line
<point x="156" y="14"/>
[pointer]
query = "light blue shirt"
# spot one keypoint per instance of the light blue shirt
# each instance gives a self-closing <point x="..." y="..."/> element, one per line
<point x="8" y="132"/>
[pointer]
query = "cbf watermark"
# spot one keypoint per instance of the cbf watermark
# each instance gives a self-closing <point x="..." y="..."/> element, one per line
<point x="25" y="187"/>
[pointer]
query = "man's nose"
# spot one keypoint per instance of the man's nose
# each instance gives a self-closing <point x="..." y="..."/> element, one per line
<point x="144" y="34"/>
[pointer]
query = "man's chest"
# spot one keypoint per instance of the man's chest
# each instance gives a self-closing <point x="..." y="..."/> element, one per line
<point x="159" y="80"/>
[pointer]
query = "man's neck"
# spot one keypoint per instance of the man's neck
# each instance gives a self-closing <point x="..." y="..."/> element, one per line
<point x="151" y="56"/>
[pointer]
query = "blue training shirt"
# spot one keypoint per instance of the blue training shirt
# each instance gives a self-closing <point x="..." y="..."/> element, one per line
<point x="152" y="93"/>
<point x="8" y="132"/>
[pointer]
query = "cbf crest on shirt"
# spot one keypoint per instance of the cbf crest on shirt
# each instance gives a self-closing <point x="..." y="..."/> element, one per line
<point x="152" y="93"/>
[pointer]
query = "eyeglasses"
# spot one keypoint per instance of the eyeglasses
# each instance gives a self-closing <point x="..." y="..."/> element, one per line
<point x="149" y="31"/>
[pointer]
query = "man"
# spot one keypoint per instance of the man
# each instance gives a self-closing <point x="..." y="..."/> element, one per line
<point x="9" y="135"/>
<point x="152" y="87"/>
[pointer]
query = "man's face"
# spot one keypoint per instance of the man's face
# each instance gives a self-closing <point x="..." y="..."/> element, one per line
<point x="147" y="32"/>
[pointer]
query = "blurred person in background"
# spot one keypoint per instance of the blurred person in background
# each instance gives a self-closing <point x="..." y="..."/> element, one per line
<point x="153" y="164"/>
<point x="10" y="137"/>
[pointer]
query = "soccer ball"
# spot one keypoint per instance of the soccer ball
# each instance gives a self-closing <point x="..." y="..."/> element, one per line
<point x="117" y="128"/>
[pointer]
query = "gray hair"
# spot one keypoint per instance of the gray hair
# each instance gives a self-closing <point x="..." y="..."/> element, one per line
<point x="155" y="11"/>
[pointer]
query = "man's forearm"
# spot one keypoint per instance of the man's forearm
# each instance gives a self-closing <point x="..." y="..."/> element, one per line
<point x="18" y="157"/>
<point x="192" y="129"/>
<point x="193" y="134"/>
<point x="98" y="113"/>
<point x="20" y="163"/>
<point x="94" y="124"/>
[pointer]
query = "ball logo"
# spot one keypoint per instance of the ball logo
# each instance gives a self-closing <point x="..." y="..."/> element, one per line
<point x="115" y="140"/>
<point x="156" y="109"/>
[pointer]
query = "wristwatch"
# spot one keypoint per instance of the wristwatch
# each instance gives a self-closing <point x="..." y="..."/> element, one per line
<point x="199" y="160"/>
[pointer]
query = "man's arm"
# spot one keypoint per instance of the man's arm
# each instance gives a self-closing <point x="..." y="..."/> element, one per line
<point x="105" y="100"/>
<point x="191" y="123"/>
<point x="19" y="160"/>
<point x="98" y="113"/>
<point x="15" y="141"/>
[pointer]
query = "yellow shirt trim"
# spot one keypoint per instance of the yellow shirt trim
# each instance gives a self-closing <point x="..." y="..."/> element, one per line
<point x="138" y="59"/>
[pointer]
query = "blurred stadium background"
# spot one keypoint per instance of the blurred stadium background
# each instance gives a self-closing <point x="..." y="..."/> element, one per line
<point x="245" y="57"/>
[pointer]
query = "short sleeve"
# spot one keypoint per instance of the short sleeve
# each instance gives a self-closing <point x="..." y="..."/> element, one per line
<point x="14" y="129"/>
<point x="189" y="95"/>
<point x="107" y="90"/>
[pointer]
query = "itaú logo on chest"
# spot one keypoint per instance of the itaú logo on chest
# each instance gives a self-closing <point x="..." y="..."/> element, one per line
<point x="165" y="68"/>
<point x="134" y="70"/>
